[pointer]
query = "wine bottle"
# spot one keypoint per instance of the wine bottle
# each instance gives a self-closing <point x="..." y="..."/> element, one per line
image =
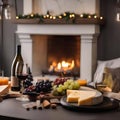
<point x="16" y="69"/>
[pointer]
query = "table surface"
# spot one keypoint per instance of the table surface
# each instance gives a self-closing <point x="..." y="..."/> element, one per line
<point x="13" y="108"/>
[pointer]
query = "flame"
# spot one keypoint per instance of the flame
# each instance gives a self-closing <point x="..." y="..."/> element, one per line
<point x="62" y="66"/>
<point x="59" y="66"/>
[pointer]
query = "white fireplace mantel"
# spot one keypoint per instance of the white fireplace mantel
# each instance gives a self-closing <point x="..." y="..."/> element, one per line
<point x="88" y="35"/>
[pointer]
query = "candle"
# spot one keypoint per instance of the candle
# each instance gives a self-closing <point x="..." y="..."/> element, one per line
<point x="4" y="80"/>
<point x="82" y="82"/>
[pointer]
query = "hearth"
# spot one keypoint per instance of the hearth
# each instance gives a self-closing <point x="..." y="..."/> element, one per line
<point x="63" y="55"/>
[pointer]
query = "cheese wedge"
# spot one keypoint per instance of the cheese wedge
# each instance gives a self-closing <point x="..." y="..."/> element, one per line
<point x="86" y="98"/>
<point x="4" y="89"/>
<point x="73" y="97"/>
<point x="81" y="97"/>
<point x="72" y="91"/>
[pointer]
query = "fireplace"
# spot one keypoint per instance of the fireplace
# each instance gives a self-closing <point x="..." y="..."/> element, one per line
<point x="88" y="46"/>
<point x="87" y="34"/>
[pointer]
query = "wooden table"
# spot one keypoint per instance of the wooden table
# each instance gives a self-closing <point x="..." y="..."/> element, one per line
<point x="11" y="108"/>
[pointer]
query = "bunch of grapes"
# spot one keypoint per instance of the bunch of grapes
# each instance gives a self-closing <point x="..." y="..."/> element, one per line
<point x="40" y="86"/>
<point x="30" y="89"/>
<point x="43" y="86"/>
<point x="59" y="81"/>
<point x="61" y="88"/>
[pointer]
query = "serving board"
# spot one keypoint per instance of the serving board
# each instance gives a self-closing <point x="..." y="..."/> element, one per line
<point x="99" y="103"/>
<point x="106" y="105"/>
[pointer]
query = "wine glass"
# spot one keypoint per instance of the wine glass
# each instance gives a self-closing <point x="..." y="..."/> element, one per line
<point x="21" y="74"/>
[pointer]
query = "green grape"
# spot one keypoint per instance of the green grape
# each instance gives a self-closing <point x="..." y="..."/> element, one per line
<point x="76" y="85"/>
<point x="69" y="81"/>
<point x="55" y="92"/>
<point x="54" y="87"/>
<point x="66" y="83"/>
<point x="59" y="89"/>
<point x="60" y="85"/>
<point x="64" y="87"/>
<point x="70" y="87"/>
<point x="72" y="84"/>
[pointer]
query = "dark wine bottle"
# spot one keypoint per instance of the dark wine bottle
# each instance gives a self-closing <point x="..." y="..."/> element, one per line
<point x="16" y="69"/>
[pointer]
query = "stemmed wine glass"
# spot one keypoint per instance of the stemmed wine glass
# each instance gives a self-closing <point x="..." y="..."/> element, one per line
<point x="21" y="73"/>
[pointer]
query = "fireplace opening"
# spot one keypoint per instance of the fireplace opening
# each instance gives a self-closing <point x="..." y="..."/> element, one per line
<point x="63" y="55"/>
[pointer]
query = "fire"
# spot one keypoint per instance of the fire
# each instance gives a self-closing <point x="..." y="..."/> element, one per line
<point x="62" y="66"/>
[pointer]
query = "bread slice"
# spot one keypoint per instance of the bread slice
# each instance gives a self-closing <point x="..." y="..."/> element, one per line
<point x="4" y="89"/>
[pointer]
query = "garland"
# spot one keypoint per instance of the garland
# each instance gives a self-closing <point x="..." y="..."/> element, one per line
<point x="67" y="16"/>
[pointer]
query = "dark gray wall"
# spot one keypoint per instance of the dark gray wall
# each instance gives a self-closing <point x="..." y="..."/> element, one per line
<point x="109" y="41"/>
<point x="9" y="39"/>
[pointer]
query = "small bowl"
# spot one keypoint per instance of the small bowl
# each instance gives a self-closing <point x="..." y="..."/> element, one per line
<point x="31" y="95"/>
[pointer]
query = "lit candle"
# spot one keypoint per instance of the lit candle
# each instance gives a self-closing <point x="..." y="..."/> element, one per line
<point x="4" y="80"/>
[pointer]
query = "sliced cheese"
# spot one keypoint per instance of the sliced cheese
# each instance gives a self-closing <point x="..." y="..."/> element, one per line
<point x="4" y="89"/>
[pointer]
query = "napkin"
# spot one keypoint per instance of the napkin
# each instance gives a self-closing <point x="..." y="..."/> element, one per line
<point x="112" y="95"/>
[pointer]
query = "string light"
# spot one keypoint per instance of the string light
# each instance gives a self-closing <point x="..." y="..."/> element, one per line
<point x="95" y="16"/>
<point x="51" y="17"/>
<point x="44" y="16"/>
<point x="73" y="15"/>
<point x="81" y="15"/>
<point x="101" y="18"/>
<point x="32" y="15"/>
<point x="89" y="16"/>
<point x="60" y="16"/>
<point x="64" y="14"/>
<point x="47" y="15"/>
<point x="17" y="17"/>
<point x="70" y="16"/>
<point x="54" y="17"/>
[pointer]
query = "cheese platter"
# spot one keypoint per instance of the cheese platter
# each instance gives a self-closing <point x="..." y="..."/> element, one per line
<point x="71" y="93"/>
<point x="90" y="100"/>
